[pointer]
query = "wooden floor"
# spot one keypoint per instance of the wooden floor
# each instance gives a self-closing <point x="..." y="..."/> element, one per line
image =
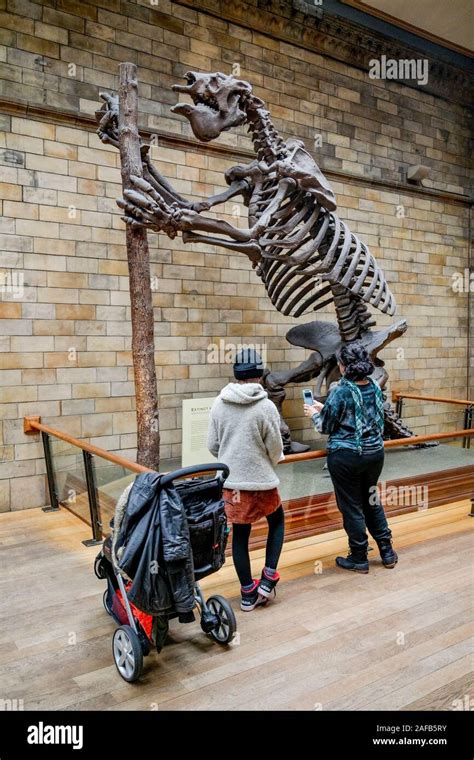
<point x="390" y="640"/>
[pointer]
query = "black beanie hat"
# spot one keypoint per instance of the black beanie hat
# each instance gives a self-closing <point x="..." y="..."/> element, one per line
<point x="248" y="363"/>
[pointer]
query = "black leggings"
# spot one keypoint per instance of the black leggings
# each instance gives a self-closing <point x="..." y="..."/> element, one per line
<point x="240" y="545"/>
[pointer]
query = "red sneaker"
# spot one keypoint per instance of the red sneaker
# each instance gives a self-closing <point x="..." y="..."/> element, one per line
<point x="267" y="583"/>
<point x="249" y="599"/>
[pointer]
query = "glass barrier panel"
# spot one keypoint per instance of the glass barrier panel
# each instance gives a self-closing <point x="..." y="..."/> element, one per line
<point x="312" y="477"/>
<point x="111" y="480"/>
<point x="70" y="477"/>
<point x="305" y="486"/>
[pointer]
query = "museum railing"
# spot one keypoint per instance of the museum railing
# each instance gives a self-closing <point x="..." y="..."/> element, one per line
<point x="395" y="443"/>
<point x="398" y="397"/>
<point x="88" y="480"/>
<point x="82" y="477"/>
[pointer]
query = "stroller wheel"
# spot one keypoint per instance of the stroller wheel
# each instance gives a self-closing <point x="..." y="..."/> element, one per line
<point x="99" y="568"/>
<point x="105" y="600"/>
<point x="127" y="653"/>
<point x="224" y="632"/>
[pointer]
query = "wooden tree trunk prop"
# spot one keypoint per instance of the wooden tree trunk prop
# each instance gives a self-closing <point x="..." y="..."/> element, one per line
<point x="143" y="344"/>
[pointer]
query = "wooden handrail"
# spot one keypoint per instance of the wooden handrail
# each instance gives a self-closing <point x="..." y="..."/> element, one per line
<point x="387" y="444"/>
<point x="441" y="399"/>
<point x="33" y="425"/>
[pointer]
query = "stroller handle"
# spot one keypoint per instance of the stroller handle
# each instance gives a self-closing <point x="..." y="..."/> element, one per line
<point x="194" y="469"/>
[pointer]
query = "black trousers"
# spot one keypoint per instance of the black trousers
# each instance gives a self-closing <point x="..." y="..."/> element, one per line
<point x="354" y="477"/>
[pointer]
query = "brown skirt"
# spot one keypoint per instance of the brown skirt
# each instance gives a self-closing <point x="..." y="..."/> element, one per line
<point x="246" y="507"/>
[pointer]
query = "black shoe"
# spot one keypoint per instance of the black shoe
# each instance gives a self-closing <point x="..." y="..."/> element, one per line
<point x="388" y="554"/>
<point x="357" y="562"/>
<point x="249" y="599"/>
<point x="266" y="586"/>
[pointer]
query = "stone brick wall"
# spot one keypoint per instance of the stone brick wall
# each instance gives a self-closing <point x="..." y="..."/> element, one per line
<point x="65" y="343"/>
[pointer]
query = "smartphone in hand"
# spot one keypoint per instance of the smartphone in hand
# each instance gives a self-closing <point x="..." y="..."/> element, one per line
<point x="308" y="396"/>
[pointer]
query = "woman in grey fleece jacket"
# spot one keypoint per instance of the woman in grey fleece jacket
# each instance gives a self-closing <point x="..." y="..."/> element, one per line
<point x="244" y="433"/>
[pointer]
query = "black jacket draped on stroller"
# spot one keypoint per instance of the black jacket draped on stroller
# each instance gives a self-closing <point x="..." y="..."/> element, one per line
<point x="152" y="547"/>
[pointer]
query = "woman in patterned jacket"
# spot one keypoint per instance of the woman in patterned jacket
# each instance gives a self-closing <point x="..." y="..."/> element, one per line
<point x="353" y="419"/>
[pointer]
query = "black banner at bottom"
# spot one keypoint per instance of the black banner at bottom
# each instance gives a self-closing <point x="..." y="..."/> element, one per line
<point x="376" y="734"/>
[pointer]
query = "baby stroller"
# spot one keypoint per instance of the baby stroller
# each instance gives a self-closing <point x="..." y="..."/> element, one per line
<point x="137" y="631"/>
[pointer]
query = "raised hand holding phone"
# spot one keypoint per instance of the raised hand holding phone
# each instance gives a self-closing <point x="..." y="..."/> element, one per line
<point x="310" y="405"/>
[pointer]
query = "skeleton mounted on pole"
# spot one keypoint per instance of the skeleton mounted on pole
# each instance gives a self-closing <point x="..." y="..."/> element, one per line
<point x="306" y="257"/>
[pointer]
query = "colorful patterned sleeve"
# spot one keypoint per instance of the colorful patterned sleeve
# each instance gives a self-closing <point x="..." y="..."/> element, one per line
<point x="328" y="419"/>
